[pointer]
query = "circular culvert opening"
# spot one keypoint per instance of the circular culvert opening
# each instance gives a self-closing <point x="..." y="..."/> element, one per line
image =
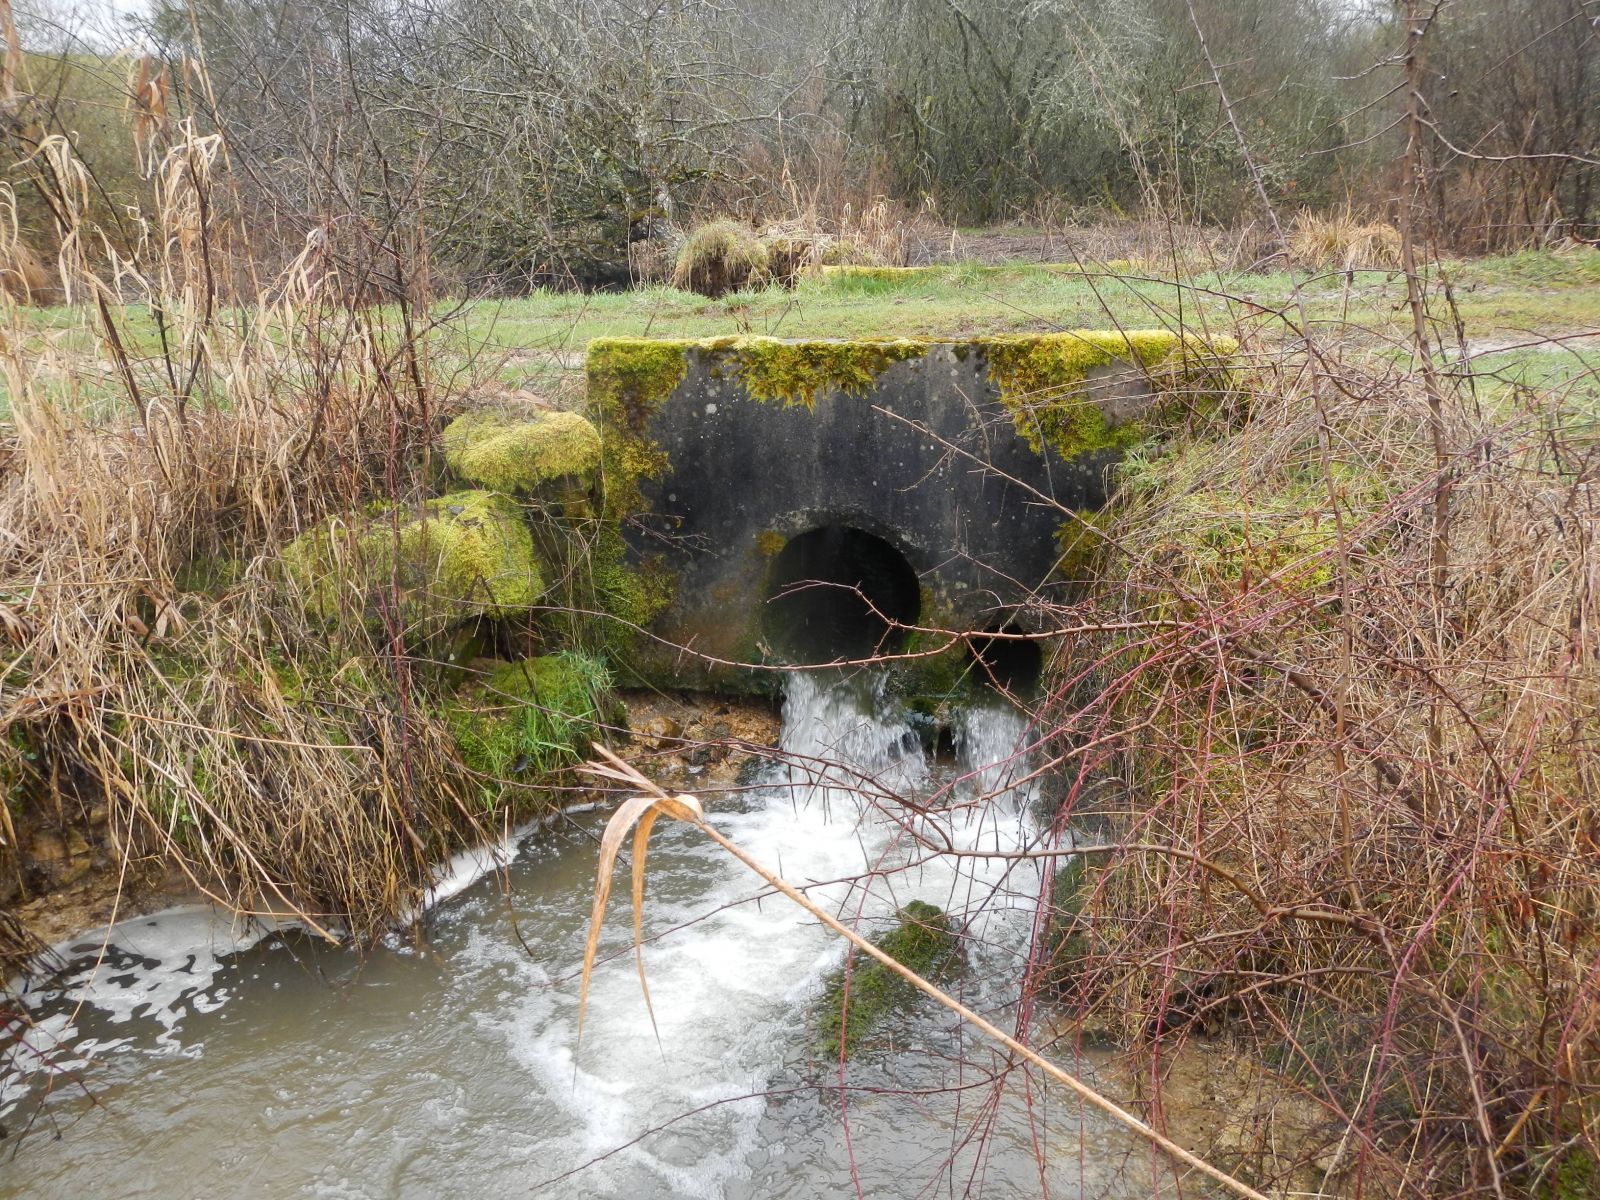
<point x="838" y="593"/>
<point x="1007" y="659"/>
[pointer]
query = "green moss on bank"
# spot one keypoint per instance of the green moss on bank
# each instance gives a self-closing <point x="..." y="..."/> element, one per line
<point x="925" y="941"/>
<point x="518" y="454"/>
<point x="528" y="718"/>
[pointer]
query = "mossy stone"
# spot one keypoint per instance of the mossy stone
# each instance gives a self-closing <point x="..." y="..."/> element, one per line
<point x="517" y="454"/>
<point x="925" y="940"/>
<point x="466" y="554"/>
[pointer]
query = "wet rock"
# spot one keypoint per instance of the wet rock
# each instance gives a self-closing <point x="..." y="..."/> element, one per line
<point x="659" y="733"/>
<point x="925" y="940"/>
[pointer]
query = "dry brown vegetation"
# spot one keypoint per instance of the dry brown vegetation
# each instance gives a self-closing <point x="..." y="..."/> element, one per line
<point x="162" y="684"/>
<point x="1362" y="807"/>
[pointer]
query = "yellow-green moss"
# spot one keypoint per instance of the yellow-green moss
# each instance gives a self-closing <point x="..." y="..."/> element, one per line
<point x="774" y="370"/>
<point x="1219" y="531"/>
<point x="1068" y="943"/>
<point x="464" y="554"/>
<point x="1039" y="378"/>
<point x="1079" y="539"/>
<point x="925" y="940"/>
<point x="629" y="379"/>
<point x="518" y="453"/>
<point x="770" y="543"/>
<point x="633" y="595"/>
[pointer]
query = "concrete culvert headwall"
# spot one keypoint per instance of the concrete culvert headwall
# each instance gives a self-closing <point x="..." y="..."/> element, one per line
<point x="806" y="502"/>
<point x="1007" y="659"/>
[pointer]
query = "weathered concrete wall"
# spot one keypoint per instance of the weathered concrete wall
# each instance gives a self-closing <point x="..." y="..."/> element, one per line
<point x="933" y="448"/>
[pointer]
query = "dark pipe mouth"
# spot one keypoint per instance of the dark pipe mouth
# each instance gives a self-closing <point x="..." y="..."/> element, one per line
<point x="839" y="593"/>
<point x="1012" y="662"/>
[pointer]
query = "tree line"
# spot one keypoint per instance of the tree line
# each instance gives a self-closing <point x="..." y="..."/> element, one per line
<point x="532" y="142"/>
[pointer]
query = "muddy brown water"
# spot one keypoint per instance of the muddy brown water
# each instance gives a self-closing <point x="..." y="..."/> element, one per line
<point x="186" y="1057"/>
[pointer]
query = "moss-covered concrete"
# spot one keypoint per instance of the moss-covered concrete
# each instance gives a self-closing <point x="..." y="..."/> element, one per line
<point x="784" y="372"/>
<point x="717" y="452"/>
<point x="925" y="940"/>
<point x="518" y="454"/>
<point x="463" y="555"/>
<point x="1037" y="378"/>
<point x="1043" y="381"/>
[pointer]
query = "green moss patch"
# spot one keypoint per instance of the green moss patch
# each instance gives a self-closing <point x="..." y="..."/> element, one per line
<point x="925" y="941"/>
<point x="466" y="554"/>
<point x="775" y="370"/>
<point x="516" y="454"/>
<point x="629" y="379"/>
<point x="531" y="717"/>
<point x="1041" y="380"/>
<point x="1229" y="531"/>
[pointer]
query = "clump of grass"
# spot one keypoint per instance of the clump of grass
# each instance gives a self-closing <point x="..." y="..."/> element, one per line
<point x="719" y="257"/>
<point x="529" y="718"/>
<point x="1341" y="241"/>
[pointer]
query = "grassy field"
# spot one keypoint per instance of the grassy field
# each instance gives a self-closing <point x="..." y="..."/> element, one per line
<point x="537" y="341"/>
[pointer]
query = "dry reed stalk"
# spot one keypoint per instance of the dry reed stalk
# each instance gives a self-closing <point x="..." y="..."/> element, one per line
<point x="642" y="811"/>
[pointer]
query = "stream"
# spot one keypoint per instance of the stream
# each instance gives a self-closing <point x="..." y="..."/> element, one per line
<point x="182" y="1056"/>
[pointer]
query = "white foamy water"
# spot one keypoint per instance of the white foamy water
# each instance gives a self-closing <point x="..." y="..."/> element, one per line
<point x="453" y="1067"/>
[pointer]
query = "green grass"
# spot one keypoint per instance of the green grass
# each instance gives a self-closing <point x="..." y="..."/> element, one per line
<point x="538" y="340"/>
<point x="1495" y="297"/>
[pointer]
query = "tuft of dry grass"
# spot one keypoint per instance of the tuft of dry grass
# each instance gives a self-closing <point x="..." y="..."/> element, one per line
<point x="1340" y="241"/>
<point x="719" y="257"/>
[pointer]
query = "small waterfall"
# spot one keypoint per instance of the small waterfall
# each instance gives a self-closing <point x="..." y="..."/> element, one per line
<point x="841" y="732"/>
<point x="993" y="746"/>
